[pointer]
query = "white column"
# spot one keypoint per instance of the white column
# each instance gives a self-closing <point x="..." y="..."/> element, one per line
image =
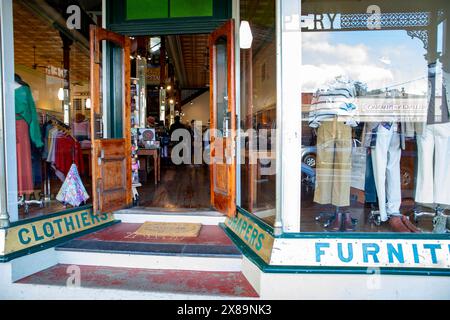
<point x="8" y="165"/>
<point x="289" y="115"/>
<point x="237" y="59"/>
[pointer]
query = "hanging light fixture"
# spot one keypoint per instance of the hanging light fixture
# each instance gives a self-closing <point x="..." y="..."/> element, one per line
<point x="245" y="35"/>
<point x="61" y="94"/>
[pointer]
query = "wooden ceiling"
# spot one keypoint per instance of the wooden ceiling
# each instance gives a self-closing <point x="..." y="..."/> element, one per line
<point x="190" y="57"/>
<point x="30" y="30"/>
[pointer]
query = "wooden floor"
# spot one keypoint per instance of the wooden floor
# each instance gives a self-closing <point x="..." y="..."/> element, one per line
<point x="54" y="205"/>
<point x="183" y="186"/>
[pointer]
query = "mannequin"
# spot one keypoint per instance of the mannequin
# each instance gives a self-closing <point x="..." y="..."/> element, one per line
<point x="386" y="141"/>
<point x="433" y="146"/>
<point x="332" y="112"/>
<point x="433" y="139"/>
<point x="27" y="131"/>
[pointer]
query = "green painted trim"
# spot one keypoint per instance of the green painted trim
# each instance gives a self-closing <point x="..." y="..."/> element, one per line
<point x="116" y="21"/>
<point x="263" y="225"/>
<point x="54" y="243"/>
<point x="266" y="268"/>
<point x="343" y="235"/>
<point x="360" y="235"/>
<point x="49" y="216"/>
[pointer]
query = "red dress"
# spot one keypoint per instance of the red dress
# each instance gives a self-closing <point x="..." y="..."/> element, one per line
<point x="24" y="167"/>
<point x="68" y="151"/>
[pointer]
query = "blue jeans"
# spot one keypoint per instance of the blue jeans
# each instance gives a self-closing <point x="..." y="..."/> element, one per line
<point x="370" y="188"/>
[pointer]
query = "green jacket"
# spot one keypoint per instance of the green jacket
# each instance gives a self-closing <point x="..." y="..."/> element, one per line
<point x="26" y="110"/>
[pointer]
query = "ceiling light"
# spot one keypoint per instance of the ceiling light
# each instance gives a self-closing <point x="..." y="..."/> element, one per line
<point x="88" y="103"/>
<point x="61" y="94"/>
<point x="245" y="35"/>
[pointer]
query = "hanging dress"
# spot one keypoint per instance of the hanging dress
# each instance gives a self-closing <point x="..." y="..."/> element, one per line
<point x="27" y="129"/>
<point x="72" y="191"/>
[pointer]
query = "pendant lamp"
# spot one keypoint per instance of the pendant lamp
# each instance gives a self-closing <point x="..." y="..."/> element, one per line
<point x="245" y="35"/>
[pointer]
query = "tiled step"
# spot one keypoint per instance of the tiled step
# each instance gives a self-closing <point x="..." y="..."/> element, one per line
<point x="146" y="281"/>
<point x="141" y="215"/>
<point x="118" y="246"/>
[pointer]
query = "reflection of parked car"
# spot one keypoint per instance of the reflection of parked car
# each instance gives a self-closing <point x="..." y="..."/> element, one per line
<point x="309" y="158"/>
<point x="309" y="155"/>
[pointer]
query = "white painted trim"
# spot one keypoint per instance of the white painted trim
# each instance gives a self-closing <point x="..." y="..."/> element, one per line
<point x="2" y="241"/>
<point x="27" y="265"/>
<point x="252" y="273"/>
<point x="237" y="59"/>
<point x="185" y="218"/>
<point x="41" y="292"/>
<point x="289" y="150"/>
<point x="290" y="286"/>
<point x="164" y="262"/>
<point x="7" y="80"/>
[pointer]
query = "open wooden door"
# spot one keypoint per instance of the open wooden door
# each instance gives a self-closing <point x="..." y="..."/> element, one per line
<point x="111" y="157"/>
<point x="223" y="119"/>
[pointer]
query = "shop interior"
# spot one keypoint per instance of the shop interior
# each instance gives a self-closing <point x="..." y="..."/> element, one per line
<point x="52" y="112"/>
<point x="169" y="81"/>
<point x="170" y="90"/>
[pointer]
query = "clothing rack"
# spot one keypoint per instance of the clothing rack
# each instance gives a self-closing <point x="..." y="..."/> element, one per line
<point x="46" y="117"/>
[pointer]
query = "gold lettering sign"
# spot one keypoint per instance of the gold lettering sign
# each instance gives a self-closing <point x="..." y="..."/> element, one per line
<point x="256" y="238"/>
<point x="40" y="232"/>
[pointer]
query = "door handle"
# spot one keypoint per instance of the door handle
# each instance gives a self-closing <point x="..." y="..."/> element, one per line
<point x="101" y="156"/>
<point x="99" y="193"/>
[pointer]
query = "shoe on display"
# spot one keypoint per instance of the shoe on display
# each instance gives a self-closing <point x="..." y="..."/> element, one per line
<point x="348" y="222"/>
<point x="337" y="222"/>
<point x="397" y="224"/>
<point x="440" y="224"/>
<point x="410" y="225"/>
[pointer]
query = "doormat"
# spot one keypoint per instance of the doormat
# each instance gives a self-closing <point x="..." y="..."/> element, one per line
<point x="168" y="229"/>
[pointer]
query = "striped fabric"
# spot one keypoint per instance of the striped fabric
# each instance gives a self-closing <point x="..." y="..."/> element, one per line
<point x="335" y="100"/>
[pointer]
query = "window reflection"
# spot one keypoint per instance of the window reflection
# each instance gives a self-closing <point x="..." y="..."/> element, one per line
<point x="376" y="127"/>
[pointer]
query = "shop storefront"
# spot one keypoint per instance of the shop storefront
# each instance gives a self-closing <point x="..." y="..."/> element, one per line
<point x="328" y="145"/>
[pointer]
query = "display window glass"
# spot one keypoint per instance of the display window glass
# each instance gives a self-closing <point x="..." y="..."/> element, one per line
<point x="258" y="100"/>
<point x="375" y="116"/>
<point x="52" y="107"/>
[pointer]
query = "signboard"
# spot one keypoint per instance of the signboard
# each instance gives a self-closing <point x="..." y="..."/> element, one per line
<point x="367" y="253"/>
<point x="255" y="237"/>
<point x="35" y="233"/>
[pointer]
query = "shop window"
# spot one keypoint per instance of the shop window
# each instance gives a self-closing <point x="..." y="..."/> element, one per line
<point x="375" y="108"/>
<point x="52" y="122"/>
<point x="258" y="109"/>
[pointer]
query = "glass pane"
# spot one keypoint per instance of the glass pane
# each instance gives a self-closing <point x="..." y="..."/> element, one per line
<point x="52" y="84"/>
<point x="376" y="128"/>
<point x="221" y="86"/>
<point x="258" y="108"/>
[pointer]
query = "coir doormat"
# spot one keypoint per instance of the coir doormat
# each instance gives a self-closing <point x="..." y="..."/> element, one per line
<point x="169" y="229"/>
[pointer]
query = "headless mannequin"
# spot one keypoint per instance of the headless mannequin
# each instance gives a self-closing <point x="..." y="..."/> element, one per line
<point x="18" y="83"/>
<point x="334" y="145"/>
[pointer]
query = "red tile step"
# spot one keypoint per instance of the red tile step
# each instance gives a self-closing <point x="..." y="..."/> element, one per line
<point x="124" y="232"/>
<point x="223" y="284"/>
<point x="120" y="238"/>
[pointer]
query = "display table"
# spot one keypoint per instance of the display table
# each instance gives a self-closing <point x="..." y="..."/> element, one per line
<point x="152" y="152"/>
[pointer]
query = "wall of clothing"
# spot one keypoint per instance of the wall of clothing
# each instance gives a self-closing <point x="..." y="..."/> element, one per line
<point x="47" y="149"/>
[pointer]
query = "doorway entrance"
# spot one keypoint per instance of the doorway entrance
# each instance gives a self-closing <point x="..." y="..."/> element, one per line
<point x="165" y="127"/>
